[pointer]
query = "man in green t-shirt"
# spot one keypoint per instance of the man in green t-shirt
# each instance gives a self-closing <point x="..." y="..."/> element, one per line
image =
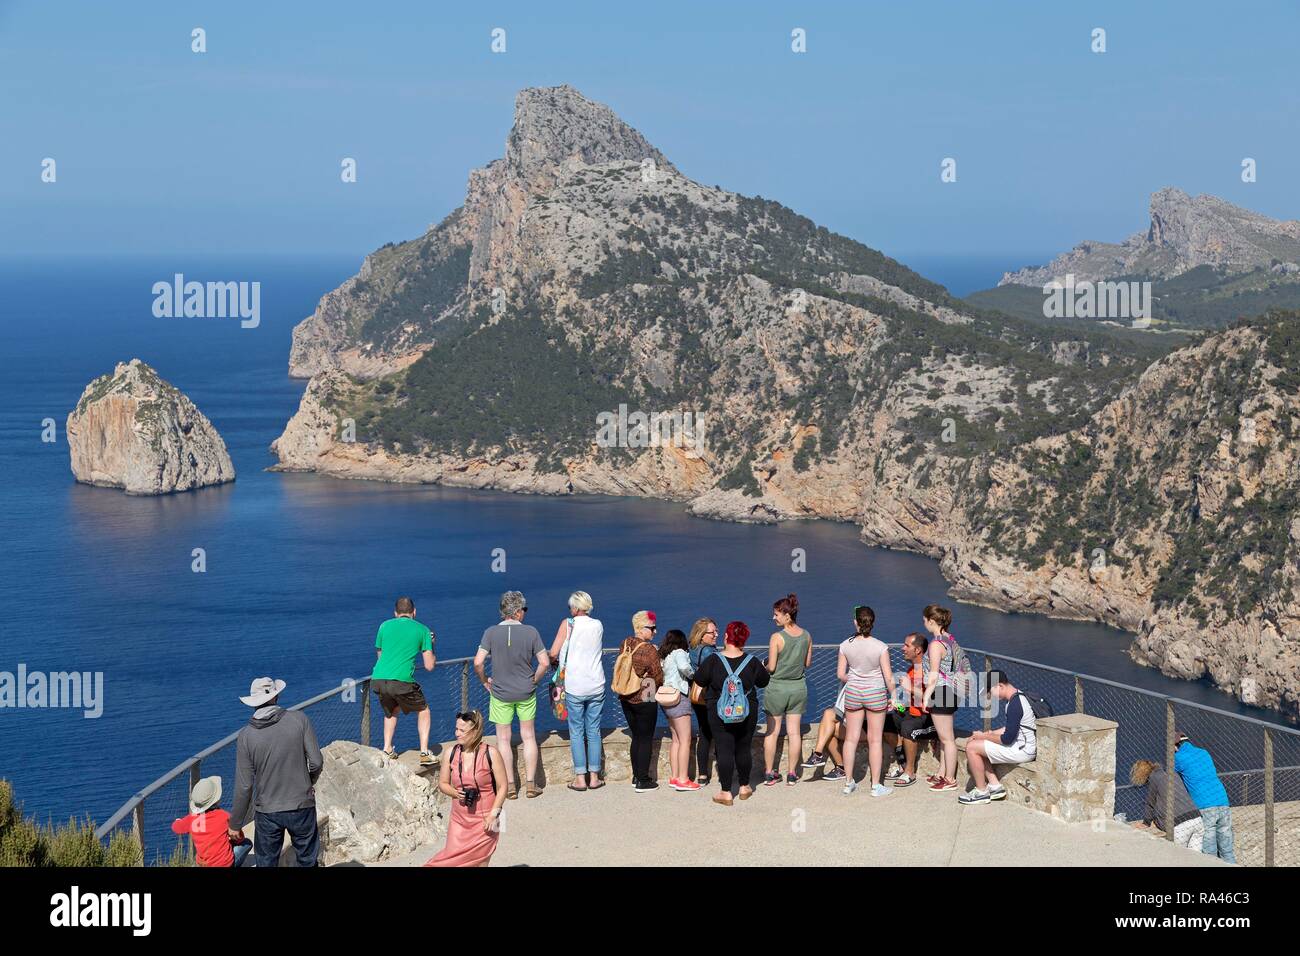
<point x="399" y="639"/>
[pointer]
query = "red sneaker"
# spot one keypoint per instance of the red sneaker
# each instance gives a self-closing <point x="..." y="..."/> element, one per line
<point x="687" y="786"/>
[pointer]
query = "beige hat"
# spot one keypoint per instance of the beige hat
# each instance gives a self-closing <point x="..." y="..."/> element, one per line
<point x="263" y="690"/>
<point x="205" y="795"/>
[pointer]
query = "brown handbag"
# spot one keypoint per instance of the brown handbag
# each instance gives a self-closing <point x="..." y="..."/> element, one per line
<point x="625" y="680"/>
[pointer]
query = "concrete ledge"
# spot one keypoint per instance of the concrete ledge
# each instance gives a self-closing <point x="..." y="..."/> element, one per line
<point x="556" y="764"/>
<point x="1072" y="778"/>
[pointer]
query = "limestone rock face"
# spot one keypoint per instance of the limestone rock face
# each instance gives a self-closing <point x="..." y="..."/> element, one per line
<point x="377" y="807"/>
<point x="134" y="431"/>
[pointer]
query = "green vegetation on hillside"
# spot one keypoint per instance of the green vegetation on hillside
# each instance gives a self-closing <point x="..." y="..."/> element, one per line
<point x="516" y="384"/>
<point x="429" y="283"/>
<point x="1201" y="298"/>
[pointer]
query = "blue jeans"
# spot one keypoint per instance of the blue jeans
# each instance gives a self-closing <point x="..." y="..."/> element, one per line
<point x="241" y="850"/>
<point x="1217" y="840"/>
<point x="268" y="836"/>
<point x="584" y="731"/>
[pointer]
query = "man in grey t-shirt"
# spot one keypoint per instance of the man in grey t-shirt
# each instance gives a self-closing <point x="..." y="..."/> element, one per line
<point x="513" y="645"/>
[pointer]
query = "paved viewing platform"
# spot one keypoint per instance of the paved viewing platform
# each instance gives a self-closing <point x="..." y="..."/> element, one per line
<point x="814" y="824"/>
<point x="809" y="824"/>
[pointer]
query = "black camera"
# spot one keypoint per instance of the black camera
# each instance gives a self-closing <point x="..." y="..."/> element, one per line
<point x="471" y="797"/>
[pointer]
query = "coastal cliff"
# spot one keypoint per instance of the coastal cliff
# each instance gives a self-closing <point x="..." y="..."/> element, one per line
<point x="1047" y="469"/>
<point x="134" y="431"/>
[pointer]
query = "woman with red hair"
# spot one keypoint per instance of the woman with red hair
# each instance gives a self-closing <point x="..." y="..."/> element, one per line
<point x="725" y="677"/>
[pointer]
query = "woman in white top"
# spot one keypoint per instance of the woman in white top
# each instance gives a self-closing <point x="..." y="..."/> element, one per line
<point x="675" y="654"/>
<point x="578" y="650"/>
<point x="864" y="670"/>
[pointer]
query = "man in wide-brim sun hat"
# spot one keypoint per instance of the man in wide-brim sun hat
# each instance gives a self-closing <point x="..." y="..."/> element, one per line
<point x="277" y="761"/>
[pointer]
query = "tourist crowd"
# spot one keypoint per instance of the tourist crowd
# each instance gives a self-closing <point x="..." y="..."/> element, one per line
<point x="707" y="675"/>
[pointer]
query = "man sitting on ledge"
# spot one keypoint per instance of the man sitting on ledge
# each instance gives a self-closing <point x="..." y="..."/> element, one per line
<point x="1015" y="743"/>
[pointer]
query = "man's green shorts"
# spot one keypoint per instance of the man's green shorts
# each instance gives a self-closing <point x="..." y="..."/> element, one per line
<point x="504" y="711"/>
<point x="786" y="697"/>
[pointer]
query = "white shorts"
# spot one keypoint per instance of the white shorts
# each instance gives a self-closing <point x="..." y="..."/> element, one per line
<point x="1000" y="753"/>
<point x="1189" y="832"/>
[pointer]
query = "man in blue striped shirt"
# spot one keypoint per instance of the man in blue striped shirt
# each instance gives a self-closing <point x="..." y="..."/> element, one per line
<point x="1196" y="767"/>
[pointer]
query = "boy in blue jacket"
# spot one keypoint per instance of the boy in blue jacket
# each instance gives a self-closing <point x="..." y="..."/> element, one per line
<point x="1201" y="779"/>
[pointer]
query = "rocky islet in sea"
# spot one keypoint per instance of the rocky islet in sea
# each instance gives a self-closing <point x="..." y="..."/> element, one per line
<point x="133" y="430"/>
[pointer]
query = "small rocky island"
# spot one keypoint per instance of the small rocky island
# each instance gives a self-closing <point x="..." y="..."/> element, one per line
<point x="135" y="431"/>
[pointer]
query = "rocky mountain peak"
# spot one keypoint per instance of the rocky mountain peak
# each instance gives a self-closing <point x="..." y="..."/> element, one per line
<point x="1169" y="206"/>
<point x="557" y="127"/>
<point x="1184" y="232"/>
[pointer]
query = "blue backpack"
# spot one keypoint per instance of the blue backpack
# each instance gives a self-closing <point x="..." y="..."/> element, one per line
<point x="733" y="703"/>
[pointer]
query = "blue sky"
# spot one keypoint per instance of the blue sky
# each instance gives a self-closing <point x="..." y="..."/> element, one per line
<point x="237" y="150"/>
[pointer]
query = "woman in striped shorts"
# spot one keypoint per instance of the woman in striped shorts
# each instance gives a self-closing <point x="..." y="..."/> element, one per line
<point x="864" y="670"/>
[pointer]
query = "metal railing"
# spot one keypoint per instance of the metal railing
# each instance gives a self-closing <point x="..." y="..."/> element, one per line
<point x="1258" y="761"/>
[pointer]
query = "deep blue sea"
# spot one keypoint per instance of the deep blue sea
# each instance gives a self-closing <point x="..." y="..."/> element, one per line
<point x="302" y="569"/>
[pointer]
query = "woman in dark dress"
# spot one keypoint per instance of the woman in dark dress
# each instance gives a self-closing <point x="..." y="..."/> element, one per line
<point x="733" y="740"/>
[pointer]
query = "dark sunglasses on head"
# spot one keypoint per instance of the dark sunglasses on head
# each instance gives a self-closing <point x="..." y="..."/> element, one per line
<point x="468" y="716"/>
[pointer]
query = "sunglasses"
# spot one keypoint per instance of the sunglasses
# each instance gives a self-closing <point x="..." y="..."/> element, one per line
<point x="468" y="716"/>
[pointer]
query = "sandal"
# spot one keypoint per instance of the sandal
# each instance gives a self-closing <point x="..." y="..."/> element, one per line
<point x="576" y="789"/>
<point x="512" y="791"/>
<point x="533" y="791"/>
<point x="597" y="785"/>
<point x="390" y="754"/>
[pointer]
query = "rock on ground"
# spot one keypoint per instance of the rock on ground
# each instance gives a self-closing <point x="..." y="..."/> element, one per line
<point x="376" y="807"/>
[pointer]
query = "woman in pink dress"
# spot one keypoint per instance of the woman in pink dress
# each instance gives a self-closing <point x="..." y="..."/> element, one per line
<point x="469" y="775"/>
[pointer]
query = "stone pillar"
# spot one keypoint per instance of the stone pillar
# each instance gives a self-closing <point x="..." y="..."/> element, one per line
<point x="1076" y="768"/>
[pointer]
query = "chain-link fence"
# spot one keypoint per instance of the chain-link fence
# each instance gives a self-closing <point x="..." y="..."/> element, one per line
<point x="1258" y="762"/>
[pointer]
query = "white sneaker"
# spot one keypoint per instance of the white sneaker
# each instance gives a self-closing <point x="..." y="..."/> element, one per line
<point x="849" y="788"/>
<point x="880" y="790"/>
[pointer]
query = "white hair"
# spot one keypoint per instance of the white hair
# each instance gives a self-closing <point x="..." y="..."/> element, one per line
<point x="580" y="601"/>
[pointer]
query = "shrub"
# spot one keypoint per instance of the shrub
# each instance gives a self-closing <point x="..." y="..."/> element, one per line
<point x="21" y="844"/>
<point x="24" y="843"/>
<point x="123" y="850"/>
<point x="73" y="845"/>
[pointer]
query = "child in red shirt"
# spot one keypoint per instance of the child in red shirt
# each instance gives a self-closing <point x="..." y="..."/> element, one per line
<point x="208" y="825"/>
